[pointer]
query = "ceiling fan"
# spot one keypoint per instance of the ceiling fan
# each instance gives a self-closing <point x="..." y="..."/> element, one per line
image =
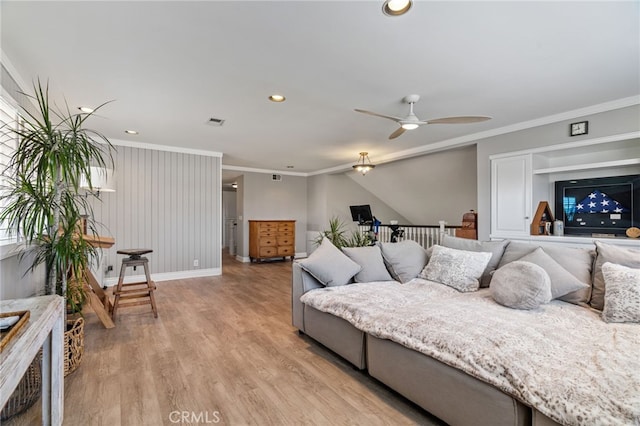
<point x="411" y="122"/>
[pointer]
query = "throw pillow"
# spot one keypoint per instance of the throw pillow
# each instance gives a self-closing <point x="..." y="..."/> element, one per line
<point x="579" y="262"/>
<point x="622" y="296"/>
<point x="562" y="282"/>
<point x="404" y="259"/>
<point x="521" y="285"/>
<point x="614" y="254"/>
<point x="370" y="258"/>
<point x="329" y="265"/>
<point x="459" y="269"/>
<point x="496" y="248"/>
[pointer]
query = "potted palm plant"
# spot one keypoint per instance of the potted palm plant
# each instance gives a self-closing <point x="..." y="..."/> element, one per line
<point x="42" y="198"/>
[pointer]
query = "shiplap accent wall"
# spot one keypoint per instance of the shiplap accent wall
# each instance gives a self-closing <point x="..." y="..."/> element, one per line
<point x="166" y="201"/>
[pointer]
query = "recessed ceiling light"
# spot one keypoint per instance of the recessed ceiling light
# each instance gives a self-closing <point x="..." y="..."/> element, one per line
<point x="131" y="132"/>
<point x="277" y="98"/>
<point x="396" y="7"/>
<point x="86" y="109"/>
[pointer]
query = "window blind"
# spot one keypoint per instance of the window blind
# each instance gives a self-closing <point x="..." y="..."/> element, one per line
<point x="8" y="144"/>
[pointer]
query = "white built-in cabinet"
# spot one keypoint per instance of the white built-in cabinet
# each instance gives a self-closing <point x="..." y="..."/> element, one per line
<point x="520" y="180"/>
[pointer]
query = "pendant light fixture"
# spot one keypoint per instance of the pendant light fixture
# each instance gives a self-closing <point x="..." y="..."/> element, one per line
<point x="364" y="164"/>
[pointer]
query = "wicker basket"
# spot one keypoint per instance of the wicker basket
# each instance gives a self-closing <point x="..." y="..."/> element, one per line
<point x="27" y="392"/>
<point x="73" y="345"/>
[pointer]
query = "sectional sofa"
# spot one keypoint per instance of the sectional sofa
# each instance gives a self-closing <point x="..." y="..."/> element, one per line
<point x="484" y="333"/>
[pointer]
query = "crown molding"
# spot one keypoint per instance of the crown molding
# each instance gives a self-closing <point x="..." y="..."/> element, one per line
<point x="265" y="171"/>
<point x="167" y="148"/>
<point x="475" y="137"/>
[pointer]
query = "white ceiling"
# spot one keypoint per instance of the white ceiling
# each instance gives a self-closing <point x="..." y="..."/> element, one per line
<point x="170" y="66"/>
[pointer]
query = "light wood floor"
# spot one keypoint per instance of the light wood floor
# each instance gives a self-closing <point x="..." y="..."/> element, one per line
<point x="222" y="351"/>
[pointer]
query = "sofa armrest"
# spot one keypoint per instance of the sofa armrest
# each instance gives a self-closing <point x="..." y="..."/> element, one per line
<point x="301" y="282"/>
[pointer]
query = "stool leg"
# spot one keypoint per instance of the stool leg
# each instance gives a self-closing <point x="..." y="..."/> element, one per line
<point x="123" y="268"/>
<point x="151" y="289"/>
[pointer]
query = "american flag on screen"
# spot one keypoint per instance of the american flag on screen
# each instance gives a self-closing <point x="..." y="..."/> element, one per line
<point x="599" y="202"/>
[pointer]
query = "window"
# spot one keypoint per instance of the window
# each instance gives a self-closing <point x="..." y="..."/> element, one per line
<point x="8" y="143"/>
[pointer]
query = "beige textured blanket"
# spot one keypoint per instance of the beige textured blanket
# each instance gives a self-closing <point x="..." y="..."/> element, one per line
<point x="561" y="359"/>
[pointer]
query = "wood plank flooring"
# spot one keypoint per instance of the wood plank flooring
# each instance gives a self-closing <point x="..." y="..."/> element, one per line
<point x="222" y="351"/>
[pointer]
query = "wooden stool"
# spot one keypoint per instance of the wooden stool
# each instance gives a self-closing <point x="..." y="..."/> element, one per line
<point x="140" y="293"/>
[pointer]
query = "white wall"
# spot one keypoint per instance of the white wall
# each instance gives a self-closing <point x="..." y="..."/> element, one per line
<point x="608" y="123"/>
<point x="426" y="189"/>
<point x="166" y="201"/>
<point x="17" y="281"/>
<point x="261" y="198"/>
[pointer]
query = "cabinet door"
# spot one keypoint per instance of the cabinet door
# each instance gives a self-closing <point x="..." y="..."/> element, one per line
<point x="511" y="195"/>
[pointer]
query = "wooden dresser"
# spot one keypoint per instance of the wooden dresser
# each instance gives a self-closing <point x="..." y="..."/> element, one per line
<point x="271" y="239"/>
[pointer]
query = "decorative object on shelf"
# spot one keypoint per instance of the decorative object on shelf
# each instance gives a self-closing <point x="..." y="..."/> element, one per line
<point x="558" y="228"/>
<point x="542" y="220"/>
<point x="469" y="228"/>
<point x="633" y="232"/>
<point x="579" y="128"/>
<point x="602" y="205"/>
<point x="364" y="164"/>
<point x="10" y="331"/>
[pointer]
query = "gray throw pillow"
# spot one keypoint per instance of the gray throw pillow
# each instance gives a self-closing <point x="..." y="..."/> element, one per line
<point x="521" y="285"/>
<point x="622" y="297"/>
<point x="329" y="265"/>
<point x="404" y="259"/>
<point x="496" y="248"/>
<point x="562" y="282"/>
<point x="614" y="254"/>
<point x="370" y="258"/>
<point x="460" y="269"/>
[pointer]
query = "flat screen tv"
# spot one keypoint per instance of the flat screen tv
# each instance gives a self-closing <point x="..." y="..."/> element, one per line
<point x="607" y="205"/>
<point x="361" y="214"/>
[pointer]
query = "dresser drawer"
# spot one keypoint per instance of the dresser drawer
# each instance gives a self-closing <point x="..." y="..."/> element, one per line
<point x="285" y="227"/>
<point x="264" y="226"/>
<point x="268" y="241"/>
<point x="285" y="251"/>
<point x="268" y="251"/>
<point x="285" y="241"/>
<point x="272" y="232"/>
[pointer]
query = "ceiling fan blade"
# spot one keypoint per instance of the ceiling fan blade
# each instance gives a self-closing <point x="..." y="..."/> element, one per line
<point x="396" y="119"/>
<point x="459" y="120"/>
<point x="397" y="133"/>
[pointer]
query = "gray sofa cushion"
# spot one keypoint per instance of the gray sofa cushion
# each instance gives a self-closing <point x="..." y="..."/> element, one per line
<point x="562" y="281"/>
<point x="622" y="297"/>
<point x="614" y="254"/>
<point x="496" y="248"/>
<point x="577" y="261"/>
<point x="404" y="259"/>
<point x="370" y="258"/>
<point x="521" y="285"/>
<point x="460" y="269"/>
<point x="329" y="265"/>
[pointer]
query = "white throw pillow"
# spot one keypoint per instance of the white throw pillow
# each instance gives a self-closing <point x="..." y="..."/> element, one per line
<point x="459" y="269"/>
<point x="521" y="285"/>
<point x="622" y="293"/>
<point x="370" y="258"/>
<point x="329" y="265"/>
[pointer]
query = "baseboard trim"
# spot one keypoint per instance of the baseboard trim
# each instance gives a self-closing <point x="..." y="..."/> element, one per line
<point x="167" y="276"/>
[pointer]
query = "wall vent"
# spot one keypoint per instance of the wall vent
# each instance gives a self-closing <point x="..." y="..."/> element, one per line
<point x="276" y="178"/>
<point x="215" y="122"/>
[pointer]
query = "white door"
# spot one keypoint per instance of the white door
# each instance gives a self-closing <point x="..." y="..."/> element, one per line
<point x="510" y="196"/>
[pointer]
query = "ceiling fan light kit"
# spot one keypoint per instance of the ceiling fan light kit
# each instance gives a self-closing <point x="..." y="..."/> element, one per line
<point x="364" y="164"/>
<point x="411" y="121"/>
